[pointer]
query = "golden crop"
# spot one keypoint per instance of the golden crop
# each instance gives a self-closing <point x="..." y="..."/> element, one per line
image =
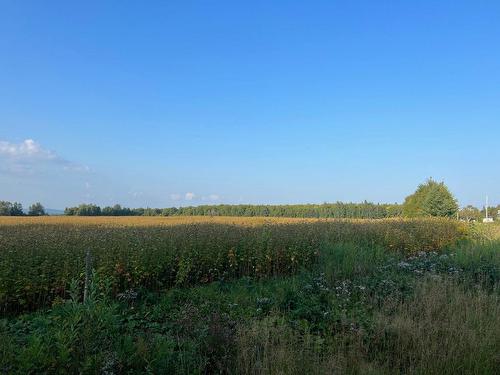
<point x="142" y="221"/>
<point x="40" y="256"/>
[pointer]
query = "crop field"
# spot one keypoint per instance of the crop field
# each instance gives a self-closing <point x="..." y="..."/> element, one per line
<point x="142" y="221"/>
<point x="202" y="295"/>
<point x="39" y="257"/>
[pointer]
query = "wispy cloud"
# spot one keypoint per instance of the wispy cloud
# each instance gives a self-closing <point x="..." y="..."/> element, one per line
<point x="30" y="157"/>
<point x="28" y="149"/>
<point x="189" y="196"/>
<point x="175" y="197"/>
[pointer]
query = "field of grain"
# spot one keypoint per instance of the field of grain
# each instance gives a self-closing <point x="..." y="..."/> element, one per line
<point x="143" y="221"/>
<point x="39" y="257"/>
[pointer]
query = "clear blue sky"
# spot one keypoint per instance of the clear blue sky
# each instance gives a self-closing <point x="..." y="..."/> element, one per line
<point x="173" y="103"/>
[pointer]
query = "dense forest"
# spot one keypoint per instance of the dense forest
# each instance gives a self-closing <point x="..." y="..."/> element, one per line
<point x="338" y="210"/>
<point x="326" y="210"/>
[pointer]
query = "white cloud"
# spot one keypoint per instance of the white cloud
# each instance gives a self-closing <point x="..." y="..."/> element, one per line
<point x="29" y="157"/>
<point x="190" y="196"/>
<point x="193" y="196"/>
<point x="28" y="149"/>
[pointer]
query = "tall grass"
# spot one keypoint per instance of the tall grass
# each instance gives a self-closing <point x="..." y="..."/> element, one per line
<point x="271" y="346"/>
<point x="444" y="329"/>
<point x="348" y="260"/>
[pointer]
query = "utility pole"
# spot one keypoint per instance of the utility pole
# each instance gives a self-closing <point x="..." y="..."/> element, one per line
<point x="487" y="219"/>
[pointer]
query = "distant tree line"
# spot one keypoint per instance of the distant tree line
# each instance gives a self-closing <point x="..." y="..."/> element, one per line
<point x="430" y="199"/>
<point x="93" y="210"/>
<point x="16" y="209"/>
<point x="326" y="210"/>
<point x="11" y="209"/>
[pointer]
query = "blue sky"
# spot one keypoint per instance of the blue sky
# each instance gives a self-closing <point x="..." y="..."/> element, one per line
<point x="176" y="103"/>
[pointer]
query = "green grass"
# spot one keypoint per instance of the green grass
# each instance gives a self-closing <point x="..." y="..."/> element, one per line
<point x="361" y="309"/>
<point x="446" y="328"/>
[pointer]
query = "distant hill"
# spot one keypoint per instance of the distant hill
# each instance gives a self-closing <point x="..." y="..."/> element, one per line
<point x="54" y="212"/>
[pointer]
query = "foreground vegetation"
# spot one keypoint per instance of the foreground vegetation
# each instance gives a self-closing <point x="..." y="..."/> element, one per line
<point x="39" y="257"/>
<point x="359" y="306"/>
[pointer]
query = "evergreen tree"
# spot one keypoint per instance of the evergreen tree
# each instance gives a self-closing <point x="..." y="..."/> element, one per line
<point x="431" y="199"/>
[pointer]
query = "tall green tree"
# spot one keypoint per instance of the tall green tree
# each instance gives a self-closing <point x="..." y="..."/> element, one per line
<point x="17" y="209"/>
<point x="431" y="199"/>
<point x="36" y="209"/>
<point x="5" y="208"/>
<point x="11" y="209"/>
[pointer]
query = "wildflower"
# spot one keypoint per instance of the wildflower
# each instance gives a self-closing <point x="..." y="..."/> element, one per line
<point x="128" y="295"/>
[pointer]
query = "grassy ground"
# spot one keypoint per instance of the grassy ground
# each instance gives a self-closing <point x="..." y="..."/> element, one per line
<point x="361" y="309"/>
